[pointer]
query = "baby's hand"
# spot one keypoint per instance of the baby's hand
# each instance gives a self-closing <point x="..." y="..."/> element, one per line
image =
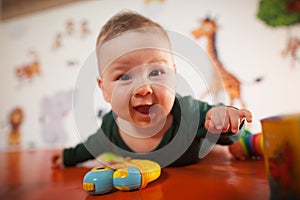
<point x="223" y="119"/>
<point x="57" y="159"/>
<point x="237" y="151"/>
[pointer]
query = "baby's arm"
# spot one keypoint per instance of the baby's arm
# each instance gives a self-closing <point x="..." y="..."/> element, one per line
<point x="71" y="156"/>
<point x="84" y="151"/>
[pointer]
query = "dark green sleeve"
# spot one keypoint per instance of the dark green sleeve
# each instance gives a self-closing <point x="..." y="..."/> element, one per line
<point x="73" y="156"/>
<point x="80" y="153"/>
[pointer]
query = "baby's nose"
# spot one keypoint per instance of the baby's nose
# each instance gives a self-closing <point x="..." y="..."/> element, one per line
<point x="143" y="90"/>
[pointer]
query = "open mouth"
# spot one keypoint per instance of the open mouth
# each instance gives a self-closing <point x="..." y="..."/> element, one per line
<point x="143" y="109"/>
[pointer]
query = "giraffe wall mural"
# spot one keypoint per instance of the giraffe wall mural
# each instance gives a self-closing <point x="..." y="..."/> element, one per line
<point x="229" y="83"/>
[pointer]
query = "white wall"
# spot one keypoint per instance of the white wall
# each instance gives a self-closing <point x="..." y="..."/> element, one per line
<point x="246" y="46"/>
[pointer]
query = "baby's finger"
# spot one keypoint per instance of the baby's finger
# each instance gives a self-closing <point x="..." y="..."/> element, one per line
<point x="57" y="163"/>
<point x="220" y="118"/>
<point x="244" y="113"/>
<point x="211" y="127"/>
<point x="207" y="122"/>
<point x="224" y="122"/>
<point x="226" y="128"/>
<point x="221" y="123"/>
<point x="234" y="122"/>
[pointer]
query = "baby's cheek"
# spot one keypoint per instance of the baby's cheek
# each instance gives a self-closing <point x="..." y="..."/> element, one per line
<point x="169" y="102"/>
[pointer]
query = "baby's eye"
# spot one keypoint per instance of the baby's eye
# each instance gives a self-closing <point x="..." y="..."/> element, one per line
<point x="124" y="77"/>
<point x="156" y="73"/>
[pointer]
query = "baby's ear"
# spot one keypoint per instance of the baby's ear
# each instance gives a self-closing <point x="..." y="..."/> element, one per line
<point x="102" y="87"/>
<point x="174" y="65"/>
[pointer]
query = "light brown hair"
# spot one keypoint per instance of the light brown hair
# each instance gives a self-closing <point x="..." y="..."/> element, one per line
<point x="124" y="21"/>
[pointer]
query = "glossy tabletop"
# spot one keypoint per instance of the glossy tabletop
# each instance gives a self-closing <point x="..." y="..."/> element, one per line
<point x="28" y="175"/>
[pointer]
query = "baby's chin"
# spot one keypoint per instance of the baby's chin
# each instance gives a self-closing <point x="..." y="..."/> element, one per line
<point x="141" y="124"/>
<point x="148" y="121"/>
<point x="144" y="123"/>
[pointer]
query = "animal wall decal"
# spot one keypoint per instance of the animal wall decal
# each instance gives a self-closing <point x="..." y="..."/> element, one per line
<point x="84" y="28"/>
<point x="28" y="71"/>
<point x="70" y="27"/>
<point x="16" y="118"/>
<point x="230" y="83"/>
<point x="57" y="43"/>
<point x="292" y="50"/>
<point x="151" y="1"/>
<point x="153" y="8"/>
<point x="70" y="31"/>
<point x="53" y="111"/>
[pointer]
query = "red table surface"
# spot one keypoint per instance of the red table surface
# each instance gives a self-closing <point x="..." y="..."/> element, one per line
<point x="28" y="175"/>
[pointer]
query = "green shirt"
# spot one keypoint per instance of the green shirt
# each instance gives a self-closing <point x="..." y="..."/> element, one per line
<point x="79" y="153"/>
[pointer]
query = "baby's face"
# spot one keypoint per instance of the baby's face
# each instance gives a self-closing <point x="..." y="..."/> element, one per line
<point x="140" y="86"/>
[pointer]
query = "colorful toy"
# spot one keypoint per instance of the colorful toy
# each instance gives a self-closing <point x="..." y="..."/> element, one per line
<point x="98" y="180"/>
<point x="110" y="159"/>
<point x="253" y="145"/>
<point x="127" y="175"/>
<point x="248" y="146"/>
